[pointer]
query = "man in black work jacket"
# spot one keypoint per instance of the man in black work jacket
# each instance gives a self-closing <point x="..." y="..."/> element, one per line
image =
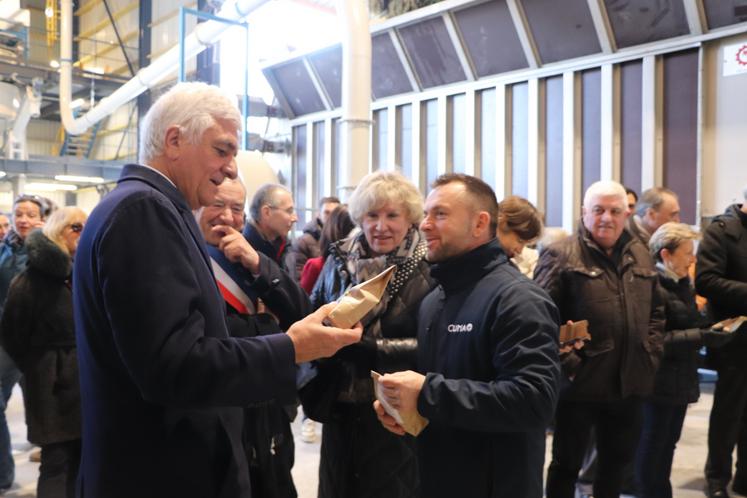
<point x="721" y="277"/>
<point x="487" y="353"/>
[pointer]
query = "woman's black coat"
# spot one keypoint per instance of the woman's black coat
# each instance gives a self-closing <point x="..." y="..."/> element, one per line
<point x="38" y="333"/>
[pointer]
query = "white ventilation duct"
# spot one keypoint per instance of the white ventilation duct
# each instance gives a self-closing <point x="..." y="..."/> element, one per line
<point x="356" y="94"/>
<point x="204" y="35"/>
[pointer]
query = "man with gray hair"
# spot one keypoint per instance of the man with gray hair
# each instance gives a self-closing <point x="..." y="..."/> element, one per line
<point x="162" y="383"/>
<point x="656" y="206"/>
<point x="606" y="276"/>
<point x="721" y="277"/>
<point x="272" y="214"/>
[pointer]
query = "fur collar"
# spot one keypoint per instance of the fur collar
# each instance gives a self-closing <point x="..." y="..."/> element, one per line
<point x="46" y="257"/>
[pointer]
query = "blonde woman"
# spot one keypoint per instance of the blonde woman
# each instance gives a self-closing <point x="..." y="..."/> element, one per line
<point x="359" y="458"/>
<point x="39" y="334"/>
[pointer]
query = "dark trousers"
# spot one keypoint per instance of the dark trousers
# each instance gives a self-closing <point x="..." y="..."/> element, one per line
<point x="58" y="470"/>
<point x="617" y="426"/>
<point x="727" y="426"/>
<point x="662" y="427"/>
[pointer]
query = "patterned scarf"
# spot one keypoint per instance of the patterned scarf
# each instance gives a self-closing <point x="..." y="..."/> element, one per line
<point x="356" y="256"/>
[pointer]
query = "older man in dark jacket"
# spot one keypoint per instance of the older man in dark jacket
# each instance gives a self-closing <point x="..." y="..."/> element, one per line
<point x="487" y="357"/>
<point x="722" y="278"/>
<point x="158" y="369"/>
<point x="606" y="276"/>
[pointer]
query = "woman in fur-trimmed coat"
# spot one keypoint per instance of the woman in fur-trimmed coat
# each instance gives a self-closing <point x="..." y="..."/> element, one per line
<point x="39" y="334"/>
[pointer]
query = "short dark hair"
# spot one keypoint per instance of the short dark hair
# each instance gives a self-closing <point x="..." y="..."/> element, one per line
<point x="34" y="199"/>
<point x="632" y="192"/>
<point x="480" y="192"/>
<point x="325" y="200"/>
<point x="338" y="226"/>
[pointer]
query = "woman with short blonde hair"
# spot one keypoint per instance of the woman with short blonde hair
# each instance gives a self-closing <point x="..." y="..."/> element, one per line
<point x="356" y="450"/>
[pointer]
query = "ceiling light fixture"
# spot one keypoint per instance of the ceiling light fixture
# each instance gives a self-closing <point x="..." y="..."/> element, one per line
<point x="79" y="179"/>
<point x="49" y="187"/>
<point x="53" y="63"/>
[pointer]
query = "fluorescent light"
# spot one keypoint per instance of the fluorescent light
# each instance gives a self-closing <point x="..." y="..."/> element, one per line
<point x="50" y="187"/>
<point x="95" y="69"/>
<point x="3" y="174"/>
<point x="79" y="179"/>
<point x="49" y="12"/>
<point x="53" y="63"/>
<point x="16" y="103"/>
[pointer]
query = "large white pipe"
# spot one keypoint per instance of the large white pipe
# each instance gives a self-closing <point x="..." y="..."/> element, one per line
<point x="204" y="35"/>
<point x="356" y="94"/>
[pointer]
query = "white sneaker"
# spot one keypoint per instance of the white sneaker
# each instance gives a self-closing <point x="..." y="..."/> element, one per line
<point x="308" y="431"/>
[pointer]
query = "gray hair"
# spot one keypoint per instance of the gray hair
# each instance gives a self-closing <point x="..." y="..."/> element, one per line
<point x="550" y="236"/>
<point x="384" y="187"/>
<point x="652" y="198"/>
<point x="194" y="107"/>
<point x="605" y="189"/>
<point x="264" y="196"/>
<point x="670" y="236"/>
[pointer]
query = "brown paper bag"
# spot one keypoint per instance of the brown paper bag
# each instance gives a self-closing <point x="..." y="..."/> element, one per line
<point x="577" y="331"/>
<point x="413" y="423"/>
<point x="359" y="300"/>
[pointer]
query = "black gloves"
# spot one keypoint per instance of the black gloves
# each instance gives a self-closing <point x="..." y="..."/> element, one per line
<point x="716" y="339"/>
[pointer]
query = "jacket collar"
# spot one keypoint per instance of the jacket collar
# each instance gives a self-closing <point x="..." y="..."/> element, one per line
<point x="470" y="267"/>
<point x="620" y="253"/>
<point x="735" y="221"/>
<point x="157" y="181"/>
<point x="147" y="175"/>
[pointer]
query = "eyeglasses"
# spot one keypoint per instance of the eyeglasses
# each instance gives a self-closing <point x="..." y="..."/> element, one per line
<point x="76" y="227"/>
<point x="289" y="211"/>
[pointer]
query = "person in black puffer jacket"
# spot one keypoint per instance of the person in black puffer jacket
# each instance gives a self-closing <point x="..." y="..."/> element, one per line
<point x="359" y="458"/>
<point x="39" y="334"/>
<point x="721" y="277"/>
<point x="676" y="383"/>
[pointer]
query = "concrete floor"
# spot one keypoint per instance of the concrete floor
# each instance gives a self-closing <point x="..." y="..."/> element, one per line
<point x="687" y="472"/>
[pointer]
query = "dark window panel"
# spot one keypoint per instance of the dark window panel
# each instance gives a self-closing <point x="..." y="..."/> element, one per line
<point x="297" y="88"/>
<point x="299" y="169"/>
<point x="458" y="139"/>
<point x="561" y="29"/>
<point x="328" y="65"/>
<point x="680" y="122"/>
<point x="404" y="128"/>
<point x="591" y="133"/>
<point x="388" y="76"/>
<point x="630" y="124"/>
<point x="490" y="37"/>
<point x="520" y="140"/>
<point x="554" y="151"/>
<point x="432" y="54"/>
<point x="488" y="159"/>
<point x="725" y="12"/>
<point x="641" y="21"/>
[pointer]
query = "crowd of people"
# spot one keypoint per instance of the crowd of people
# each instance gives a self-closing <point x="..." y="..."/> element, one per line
<point x="174" y="361"/>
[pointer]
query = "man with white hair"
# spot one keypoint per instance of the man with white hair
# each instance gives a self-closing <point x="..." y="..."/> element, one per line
<point x="721" y="277"/>
<point x="162" y="383"/>
<point x="606" y="276"/>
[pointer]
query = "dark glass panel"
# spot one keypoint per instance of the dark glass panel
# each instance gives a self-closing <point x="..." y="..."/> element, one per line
<point x="561" y="29"/>
<point x="432" y="54"/>
<point x="490" y="37"/>
<point x="554" y="151"/>
<point x="520" y="139"/>
<point x="630" y="124"/>
<point x="297" y="88"/>
<point x="388" y="77"/>
<point x="328" y="65"/>
<point x="642" y="21"/>
<point x="591" y="126"/>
